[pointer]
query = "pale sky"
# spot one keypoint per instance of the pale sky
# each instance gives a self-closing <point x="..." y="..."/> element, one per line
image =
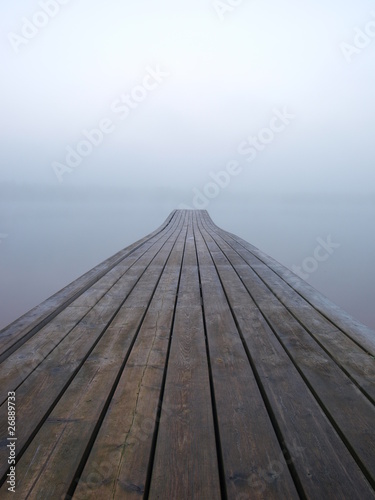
<point x="228" y="68"/>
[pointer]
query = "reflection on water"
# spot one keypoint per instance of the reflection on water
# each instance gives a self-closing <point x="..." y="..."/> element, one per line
<point x="53" y="240"/>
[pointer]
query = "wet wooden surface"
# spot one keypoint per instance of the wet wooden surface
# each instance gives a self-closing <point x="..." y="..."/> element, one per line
<point x="190" y="365"/>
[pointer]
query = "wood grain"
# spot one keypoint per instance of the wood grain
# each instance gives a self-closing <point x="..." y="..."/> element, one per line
<point x="189" y="365"/>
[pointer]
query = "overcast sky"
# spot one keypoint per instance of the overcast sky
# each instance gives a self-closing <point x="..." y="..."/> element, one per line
<point x="226" y="69"/>
<point x="158" y="99"/>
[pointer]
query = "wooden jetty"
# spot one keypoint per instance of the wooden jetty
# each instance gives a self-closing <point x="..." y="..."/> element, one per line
<point x="190" y="365"/>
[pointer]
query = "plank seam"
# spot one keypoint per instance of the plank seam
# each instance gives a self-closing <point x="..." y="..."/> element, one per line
<point x="219" y="451"/>
<point x="63" y="390"/>
<point x="83" y="317"/>
<point x="6" y="353"/>
<point x="307" y="330"/>
<point x="351" y="450"/>
<point x="75" y="480"/>
<point x="273" y="420"/>
<point x="238" y="240"/>
<point x="163" y="384"/>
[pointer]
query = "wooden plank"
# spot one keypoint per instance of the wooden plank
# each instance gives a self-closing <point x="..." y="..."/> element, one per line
<point x="248" y="440"/>
<point x="325" y="468"/>
<point x="117" y="466"/>
<point x="23" y="328"/>
<point x="18" y="366"/>
<point x="60" y="445"/>
<point x="352" y="414"/>
<point x="191" y="366"/>
<point x="355" y="361"/>
<point x="359" y="333"/>
<point x="185" y="465"/>
<point x="14" y="370"/>
<point x="39" y="392"/>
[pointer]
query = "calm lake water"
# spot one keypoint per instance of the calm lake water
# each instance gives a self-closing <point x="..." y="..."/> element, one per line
<point x="53" y="240"/>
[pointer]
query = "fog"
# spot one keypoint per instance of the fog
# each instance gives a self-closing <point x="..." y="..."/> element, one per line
<point x="115" y="113"/>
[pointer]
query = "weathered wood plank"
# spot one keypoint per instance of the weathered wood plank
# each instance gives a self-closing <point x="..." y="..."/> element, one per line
<point x="18" y="366"/>
<point x="189" y="365"/>
<point x="117" y="466"/>
<point x="324" y="467"/>
<point x="60" y="444"/>
<point x="354" y="360"/>
<point x="45" y="385"/>
<point x="18" y="332"/>
<point x="358" y="332"/>
<point x="185" y="465"/>
<point x="248" y="440"/>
